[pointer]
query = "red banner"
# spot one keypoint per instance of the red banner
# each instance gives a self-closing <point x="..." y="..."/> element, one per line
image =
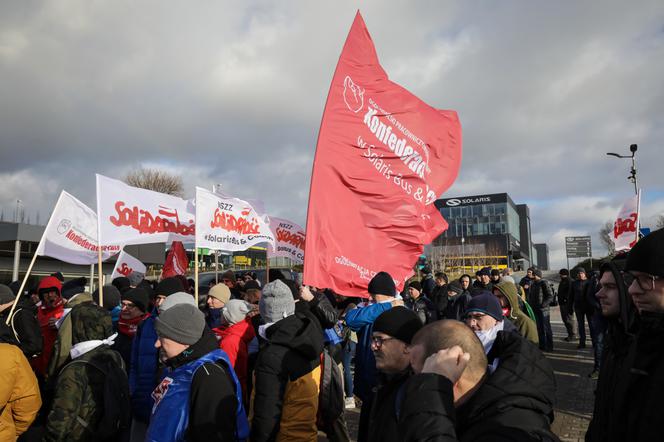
<point x="176" y="261"/>
<point x="382" y="159"/>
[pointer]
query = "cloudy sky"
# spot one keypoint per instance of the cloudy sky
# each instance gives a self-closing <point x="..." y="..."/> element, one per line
<point x="233" y="93"/>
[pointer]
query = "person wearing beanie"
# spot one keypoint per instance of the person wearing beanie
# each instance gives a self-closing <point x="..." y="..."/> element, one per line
<point x="284" y="398"/>
<point x="49" y="312"/>
<point x="217" y="298"/>
<point x="566" y="305"/>
<point x="579" y="302"/>
<point x="392" y="333"/>
<point x="235" y="337"/>
<point x="457" y="300"/>
<point x="484" y="282"/>
<point x="419" y="303"/>
<point x="199" y="397"/>
<point x="439" y="295"/>
<point x="228" y="278"/>
<point x="23" y="329"/>
<point x="495" y="276"/>
<point x="252" y="292"/>
<point x="134" y="305"/>
<point x="508" y="298"/>
<point x="428" y="282"/>
<point x="484" y="316"/>
<point x="122" y="283"/>
<point x="144" y="356"/>
<point x="539" y="297"/>
<point x="383" y="296"/>
<point x="611" y="392"/>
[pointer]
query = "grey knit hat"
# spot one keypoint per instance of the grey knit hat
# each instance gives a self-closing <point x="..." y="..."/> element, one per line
<point x="175" y="299"/>
<point x="135" y="278"/>
<point x="6" y="294"/>
<point x="182" y="323"/>
<point x="276" y="302"/>
<point x="236" y="310"/>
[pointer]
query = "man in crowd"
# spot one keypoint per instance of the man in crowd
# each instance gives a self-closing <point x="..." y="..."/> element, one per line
<point x="361" y="320"/>
<point x="51" y="309"/>
<point x="641" y="409"/>
<point x="228" y="278"/>
<point x="23" y="329"/>
<point x="526" y="280"/>
<point x="419" y="303"/>
<point x="284" y="400"/>
<point x="134" y="311"/>
<point x="464" y="280"/>
<point x="495" y="277"/>
<point x="607" y="424"/>
<point x="392" y="333"/>
<point x="457" y="301"/>
<point x="507" y="295"/>
<point x="484" y="316"/>
<point x="455" y="398"/>
<point x="565" y="304"/>
<point x="579" y="288"/>
<point x="539" y="298"/>
<point x="199" y="397"/>
<point x="439" y="296"/>
<point x="484" y="282"/>
<point x="217" y="298"/>
<point x="428" y="284"/>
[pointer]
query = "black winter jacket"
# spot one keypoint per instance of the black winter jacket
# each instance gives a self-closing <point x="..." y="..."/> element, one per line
<point x="539" y="296"/>
<point x="579" y="295"/>
<point x="515" y="403"/>
<point x="23" y="330"/>
<point x="439" y="299"/>
<point x="608" y="423"/>
<point x="383" y="420"/>
<point x="456" y="307"/>
<point x="424" y="309"/>
<point x="565" y="292"/>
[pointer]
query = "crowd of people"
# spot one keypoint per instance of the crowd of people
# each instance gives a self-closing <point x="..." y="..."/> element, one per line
<point x="441" y="360"/>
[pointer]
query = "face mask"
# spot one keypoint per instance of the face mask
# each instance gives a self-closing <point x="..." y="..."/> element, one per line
<point x="487" y="337"/>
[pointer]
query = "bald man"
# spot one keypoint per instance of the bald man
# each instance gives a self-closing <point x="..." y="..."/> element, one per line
<point x="453" y="396"/>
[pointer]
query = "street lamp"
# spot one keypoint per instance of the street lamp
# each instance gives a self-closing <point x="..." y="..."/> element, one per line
<point x="632" y="175"/>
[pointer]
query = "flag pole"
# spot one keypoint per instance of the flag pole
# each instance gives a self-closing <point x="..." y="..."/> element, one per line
<point x="92" y="277"/>
<point x="267" y="266"/>
<point x="196" y="273"/>
<point x="216" y="266"/>
<point x="20" y="290"/>
<point x="101" y="283"/>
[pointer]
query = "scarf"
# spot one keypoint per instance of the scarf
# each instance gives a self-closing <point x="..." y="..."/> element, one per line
<point x="488" y="337"/>
<point x="83" y="347"/>
<point x="128" y="327"/>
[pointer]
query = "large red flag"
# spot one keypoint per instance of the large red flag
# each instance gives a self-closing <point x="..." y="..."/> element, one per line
<point x="383" y="157"/>
<point x="176" y="261"/>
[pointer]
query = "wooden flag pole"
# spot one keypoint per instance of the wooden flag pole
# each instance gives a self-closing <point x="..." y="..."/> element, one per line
<point x="20" y="290"/>
<point x="101" y="282"/>
<point x="196" y="273"/>
<point x="216" y="266"/>
<point x="92" y="278"/>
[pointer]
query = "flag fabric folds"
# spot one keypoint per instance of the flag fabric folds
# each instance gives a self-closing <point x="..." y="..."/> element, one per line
<point x="288" y="238"/>
<point x="126" y="265"/>
<point x="626" y="226"/>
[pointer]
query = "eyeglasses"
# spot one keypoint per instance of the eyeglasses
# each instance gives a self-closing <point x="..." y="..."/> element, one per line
<point x="128" y="305"/>
<point x="644" y="281"/>
<point x="378" y="340"/>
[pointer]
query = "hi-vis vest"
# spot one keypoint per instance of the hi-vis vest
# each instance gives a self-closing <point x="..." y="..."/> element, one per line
<point x="170" y="413"/>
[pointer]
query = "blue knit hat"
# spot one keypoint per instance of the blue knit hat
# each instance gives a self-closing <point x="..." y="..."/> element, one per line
<point x="487" y="303"/>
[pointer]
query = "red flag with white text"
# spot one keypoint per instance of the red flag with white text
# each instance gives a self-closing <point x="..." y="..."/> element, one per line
<point x="176" y="261"/>
<point x="383" y="157"/>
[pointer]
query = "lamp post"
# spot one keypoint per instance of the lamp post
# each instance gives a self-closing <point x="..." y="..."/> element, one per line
<point x="632" y="175"/>
<point x="463" y="255"/>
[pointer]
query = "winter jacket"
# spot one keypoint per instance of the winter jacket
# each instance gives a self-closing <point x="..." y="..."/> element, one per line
<point x="143" y="376"/>
<point x="565" y="292"/>
<point x="284" y="400"/>
<point x="525" y="326"/>
<point x="78" y="403"/>
<point x="44" y="315"/>
<point x="383" y="419"/>
<point x="456" y="307"/>
<point x="360" y="320"/>
<point x="19" y="393"/>
<point x="607" y="423"/>
<point x="439" y="300"/>
<point x="424" y="308"/>
<point x="23" y="329"/>
<point x="428" y="284"/>
<point x="515" y="403"/>
<point x="539" y="296"/>
<point x="235" y="341"/>
<point x="578" y="292"/>
<point x="62" y="344"/>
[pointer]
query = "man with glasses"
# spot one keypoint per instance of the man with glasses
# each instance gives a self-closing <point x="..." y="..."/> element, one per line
<point x="134" y="303"/>
<point x="392" y="333"/>
<point x="642" y="408"/>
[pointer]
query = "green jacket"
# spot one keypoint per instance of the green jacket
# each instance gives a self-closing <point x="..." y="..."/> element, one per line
<point x="523" y="323"/>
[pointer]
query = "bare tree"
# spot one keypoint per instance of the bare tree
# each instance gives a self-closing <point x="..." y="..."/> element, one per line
<point x="157" y="180"/>
<point x="606" y="236"/>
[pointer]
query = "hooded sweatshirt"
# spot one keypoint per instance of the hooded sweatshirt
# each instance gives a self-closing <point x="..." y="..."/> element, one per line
<point x="607" y="423"/>
<point x="44" y="314"/>
<point x="523" y="323"/>
<point x="287" y="381"/>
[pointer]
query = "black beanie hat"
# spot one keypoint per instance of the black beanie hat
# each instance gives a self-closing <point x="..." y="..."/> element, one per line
<point x="564" y="272"/>
<point x="537" y="272"/>
<point x="485" y="271"/>
<point x="487" y="303"/>
<point x="647" y="255"/>
<point x="138" y="296"/>
<point x="495" y="272"/>
<point x="168" y="286"/>
<point x="580" y="270"/>
<point x="251" y="285"/>
<point x="382" y="284"/>
<point x="122" y="283"/>
<point x="111" y="296"/>
<point x="455" y="287"/>
<point x="416" y="285"/>
<point x="398" y="322"/>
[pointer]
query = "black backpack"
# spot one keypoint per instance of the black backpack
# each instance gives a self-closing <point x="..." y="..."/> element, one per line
<point x="116" y="418"/>
<point x="331" y="398"/>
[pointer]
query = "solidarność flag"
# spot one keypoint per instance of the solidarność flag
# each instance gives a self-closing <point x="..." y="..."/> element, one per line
<point x="382" y="159"/>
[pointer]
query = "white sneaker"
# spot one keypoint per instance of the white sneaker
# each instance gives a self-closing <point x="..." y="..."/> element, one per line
<point x="350" y="402"/>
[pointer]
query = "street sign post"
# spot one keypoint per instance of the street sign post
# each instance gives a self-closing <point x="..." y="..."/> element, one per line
<point x="578" y="247"/>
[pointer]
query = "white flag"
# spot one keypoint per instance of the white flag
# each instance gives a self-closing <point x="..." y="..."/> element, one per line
<point x="71" y="233"/>
<point x="626" y="226"/>
<point x="288" y="238"/>
<point x="129" y="215"/>
<point x="230" y="224"/>
<point x="126" y="265"/>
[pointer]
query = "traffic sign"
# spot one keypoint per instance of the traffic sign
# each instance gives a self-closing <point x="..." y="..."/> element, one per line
<point x="578" y="246"/>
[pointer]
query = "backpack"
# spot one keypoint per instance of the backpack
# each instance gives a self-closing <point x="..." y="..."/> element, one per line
<point x="116" y="418"/>
<point x="331" y="397"/>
